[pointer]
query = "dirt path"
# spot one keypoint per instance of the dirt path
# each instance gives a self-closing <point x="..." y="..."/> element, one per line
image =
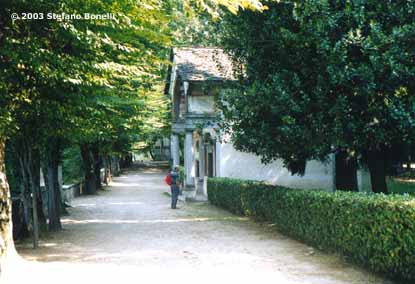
<point x="128" y="234"/>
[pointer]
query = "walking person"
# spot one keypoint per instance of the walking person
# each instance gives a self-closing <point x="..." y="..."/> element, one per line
<point x="174" y="186"/>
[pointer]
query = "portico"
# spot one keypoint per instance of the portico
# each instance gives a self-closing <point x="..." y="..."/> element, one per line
<point x="195" y="79"/>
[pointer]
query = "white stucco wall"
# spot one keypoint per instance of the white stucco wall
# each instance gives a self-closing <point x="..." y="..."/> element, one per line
<point x="248" y="166"/>
<point x="363" y="180"/>
<point x="201" y="104"/>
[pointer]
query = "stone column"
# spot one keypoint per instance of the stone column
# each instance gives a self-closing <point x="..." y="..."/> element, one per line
<point x="174" y="148"/>
<point x="218" y="147"/>
<point x="186" y="97"/>
<point x="360" y="180"/>
<point x="188" y="158"/>
<point x="332" y="158"/>
<point x="201" y="158"/>
<point x="60" y="179"/>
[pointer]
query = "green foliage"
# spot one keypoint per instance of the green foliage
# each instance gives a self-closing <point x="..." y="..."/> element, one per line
<point x="85" y="80"/>
<point x="182" y="174"/>
<point x="233" y="6"/>
<point x="191" y="26"/>
<point x="72" y="171"/>
<point x="375" y="230"/>
<point x="321" y="76"/>
<point x="12" y="170"/>
<point x="197" y="22"/>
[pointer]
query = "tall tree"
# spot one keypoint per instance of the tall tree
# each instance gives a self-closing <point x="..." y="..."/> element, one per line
<point x="67" y="73"/>
<point x="323" y="77"/>
<point x="6" y="238"/>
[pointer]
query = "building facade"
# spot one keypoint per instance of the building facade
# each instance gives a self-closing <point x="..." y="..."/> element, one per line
<point x="196" y="79"/>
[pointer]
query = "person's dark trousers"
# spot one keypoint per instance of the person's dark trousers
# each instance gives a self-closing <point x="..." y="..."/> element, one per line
<point x="174" y="196"/>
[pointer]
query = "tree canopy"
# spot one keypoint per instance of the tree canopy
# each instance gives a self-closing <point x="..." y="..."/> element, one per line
<point x="323" y="76"/>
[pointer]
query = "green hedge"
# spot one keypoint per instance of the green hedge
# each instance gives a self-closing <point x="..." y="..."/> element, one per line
<point x="375" y="230"/>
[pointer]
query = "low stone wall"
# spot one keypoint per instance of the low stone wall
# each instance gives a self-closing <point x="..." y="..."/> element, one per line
<point x="71" y="191"/>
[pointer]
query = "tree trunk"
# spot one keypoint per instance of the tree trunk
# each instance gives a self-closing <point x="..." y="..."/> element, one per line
<point x="97" y="163"/>
<point x="108" y="170"/>
<point x="126" y="161"/>
<point x="151" y="155"/>
<point x="115" y="166"/>
<point x="6" y="230"/>
<point x="52" y="182"/>
<point x="28" y="160"/>
<point x="346" y="171"/>
<point x="130" y="159"/>
<point x="35" y="173"/>
<point x="90" y="179"/>
<point x="376" y="161"/>
<point x="25" y="193"/>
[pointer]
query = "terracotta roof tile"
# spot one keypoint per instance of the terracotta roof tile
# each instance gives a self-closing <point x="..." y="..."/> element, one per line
<point x="203" y="64"/>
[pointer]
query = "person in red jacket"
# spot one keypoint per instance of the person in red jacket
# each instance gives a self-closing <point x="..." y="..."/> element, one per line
<point x="173" y="179"/>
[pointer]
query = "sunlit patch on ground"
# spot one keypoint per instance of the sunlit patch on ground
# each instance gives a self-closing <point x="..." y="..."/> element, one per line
<point x="113" y="221"/>
<point x="123" y="184"/>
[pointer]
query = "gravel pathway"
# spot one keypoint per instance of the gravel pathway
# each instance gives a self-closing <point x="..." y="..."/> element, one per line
<point x="128" y="234"/>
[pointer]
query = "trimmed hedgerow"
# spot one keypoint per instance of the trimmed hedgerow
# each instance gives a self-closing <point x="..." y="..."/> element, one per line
<point x="373" y="229"/>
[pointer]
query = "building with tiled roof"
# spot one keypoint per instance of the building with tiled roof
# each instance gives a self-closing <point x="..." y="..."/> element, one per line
<point x="203" y="64"/>
<point x="196" y="79"/>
